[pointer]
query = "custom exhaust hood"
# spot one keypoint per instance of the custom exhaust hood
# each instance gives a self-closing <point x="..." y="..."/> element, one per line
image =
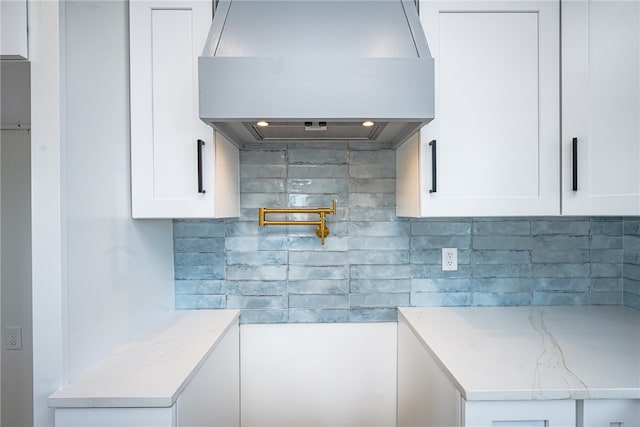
<point x="316" y="70"/>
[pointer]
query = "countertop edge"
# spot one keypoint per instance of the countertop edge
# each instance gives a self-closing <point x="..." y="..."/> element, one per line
<point x="56" y="401"/>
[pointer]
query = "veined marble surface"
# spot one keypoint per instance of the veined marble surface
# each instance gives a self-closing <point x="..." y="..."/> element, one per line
<point x="534" y="353"/>
<point x="153" y="368"/>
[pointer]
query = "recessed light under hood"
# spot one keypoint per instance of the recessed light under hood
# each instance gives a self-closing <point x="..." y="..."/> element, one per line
<point x="316" y="70"/>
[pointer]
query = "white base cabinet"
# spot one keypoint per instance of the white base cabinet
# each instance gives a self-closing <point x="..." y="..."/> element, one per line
<point x="492" y="148"/>
<point x="601" y="107"/>
<point x="609" y="413"/>
<point x="180" y="168"/>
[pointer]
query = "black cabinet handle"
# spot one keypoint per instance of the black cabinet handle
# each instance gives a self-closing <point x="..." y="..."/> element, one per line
<point x="574" y="154"/>
<point x="200" y="183"/>
<point x="434" y="174"/>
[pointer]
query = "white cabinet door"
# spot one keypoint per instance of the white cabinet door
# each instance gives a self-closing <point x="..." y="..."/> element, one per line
<point x="173" y="174"/>
<point x="611" y="413"/>
<point x="496" y="122"/>
<point x="601" y="107"/>
<point x="525" y="413"/>
<point x="13" y="29"/>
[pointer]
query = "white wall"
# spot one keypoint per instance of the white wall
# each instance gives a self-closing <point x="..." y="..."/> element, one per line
<point x="16" y="371"/>
<point x="322" y="375"/>
<point x="98" y="276"/>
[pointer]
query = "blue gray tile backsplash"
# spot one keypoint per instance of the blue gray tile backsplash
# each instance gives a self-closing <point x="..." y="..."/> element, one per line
<point x="373" y="261"/>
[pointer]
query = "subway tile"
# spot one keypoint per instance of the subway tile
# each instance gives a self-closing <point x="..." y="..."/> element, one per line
<point x="257" y="258"/>
<point x="201" y="287"/>
<point x="502" y="270"/>
<point x="303" y="272"/>
<point x="440" y="228"/>
<point x="371" y="200"/>
<point x="385" y="170"/>
<point x="184" y="259"/>
<point x="632" y="242"/>
<point x="611" y="226"/>
<point x="377" y="257"/>
<point x="439" y="242"/>
<point x="560" y="226"/>
<point x="317" y="156"/>
<point x="440" y="299"/>
<point x="500" y="284"/>
<point x="313" y="258"/>
<point x="262" y="157"/>
<point x="264" y="272"/>
<point x="198" y="244"/>
<point x="501" y="257"/>
<point x="631" y="271"/>
<point x="318" y="200"/>
<point x="263" y="316"/>
<point x="327" y="286"/>
<point x="380" y="285"/>
<point x="631" y="257"/>
<point x="377" y="300"/>
<point x="502" y="242"/>
<point x="606" y="270"/>
<point x="208" y="228"/>
<point x="607" y="284"/>
<point x="560" y="256"/>
<point x="260" y="242"/>
<point x="263" y="171"/>
<point x="560" y="298"/>
<point x="603" y="241"/>
<point x="200" y="302"/>
<point x="500" y="299"/>
<point x="513" y="227"/>
<point x="560" y="270"/>
<point x="378" y="243"/>
<point x="317" y="186"/>
<point x="380" y="272"/>
<point x="257" y="288"/>
<point x="318" y="301"/>
<point x="199" y="272"/>
<point x="632" y="286"/>
<point x="262" y="185"/>
<point x="318" y="315"/>
<point x="558" y="242"/>
<point x="607" y="255"/>
<point x="372" y="157"/>
<point x="435" y="271"/>
<point x="562" y="284"/>
<point x="387" y="228"/>
<point x="373" y="315"/>
<point x="312" y="243"/>
<point x="440" y="285"/>
<point x="257" y="302"/>
<point x="631" y="226"/>
<point x="262" y="200"/>
<point x="318" y="171"/>
<point x="606" y="298"/>
<point x="375" y="214"/>
<point x="372" y="185"/>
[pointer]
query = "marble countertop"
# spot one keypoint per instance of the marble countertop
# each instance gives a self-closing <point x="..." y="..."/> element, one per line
<point x="534" y="353"/>
<point x="153" y="368"/>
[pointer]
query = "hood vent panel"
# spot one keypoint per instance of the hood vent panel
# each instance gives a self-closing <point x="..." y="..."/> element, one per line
<point x="315" y="131"/>
<point x="341" y="62"/>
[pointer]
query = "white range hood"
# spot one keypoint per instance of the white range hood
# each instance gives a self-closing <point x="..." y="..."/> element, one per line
<point x="316" y="70"/>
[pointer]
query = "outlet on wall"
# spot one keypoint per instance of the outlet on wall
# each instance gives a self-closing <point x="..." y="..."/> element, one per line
<point x="13" y="337"/>
<point x="449" y="259"/>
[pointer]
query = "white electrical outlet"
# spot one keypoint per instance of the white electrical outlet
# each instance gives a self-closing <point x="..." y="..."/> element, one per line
<point x="13" y="337"/>
<point x="449" y="259"/>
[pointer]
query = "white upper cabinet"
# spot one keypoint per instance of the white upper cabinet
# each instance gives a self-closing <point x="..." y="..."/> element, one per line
<point x="13" y="29"/>
<point x="601" y="107"/>
<point x="497" y="115"/>
<point x="180" y="168"/>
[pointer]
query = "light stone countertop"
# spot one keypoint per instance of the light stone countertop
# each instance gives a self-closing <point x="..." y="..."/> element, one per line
<point x="153" y="368"/>
<point x="534" y="353"/>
